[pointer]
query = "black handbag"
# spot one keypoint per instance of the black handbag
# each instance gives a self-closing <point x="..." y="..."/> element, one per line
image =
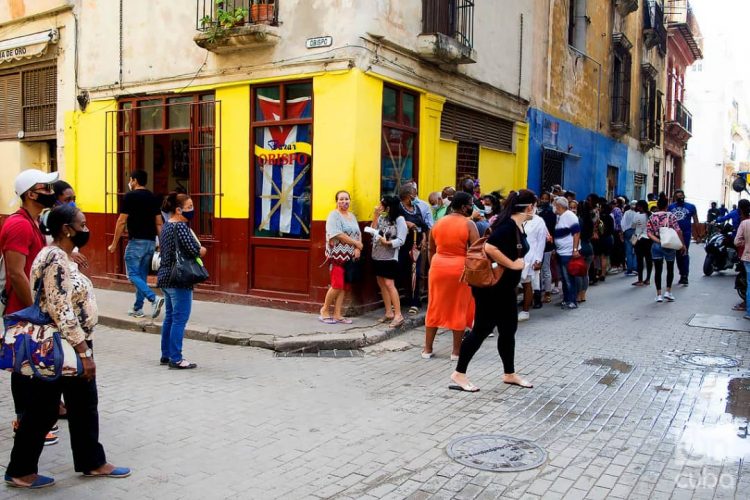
<point x="186" y="271"/>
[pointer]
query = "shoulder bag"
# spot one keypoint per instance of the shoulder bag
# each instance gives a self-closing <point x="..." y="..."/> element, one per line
<point x="669" y="238"/>
<point x="186" y="271"/>
<point x="32" y="345"/>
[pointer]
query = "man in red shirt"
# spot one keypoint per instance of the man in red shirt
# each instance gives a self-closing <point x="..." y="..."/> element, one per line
<point x="20" y="242"/>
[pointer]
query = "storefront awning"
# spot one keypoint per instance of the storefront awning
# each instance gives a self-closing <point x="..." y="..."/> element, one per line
<point x="27" y="46"/>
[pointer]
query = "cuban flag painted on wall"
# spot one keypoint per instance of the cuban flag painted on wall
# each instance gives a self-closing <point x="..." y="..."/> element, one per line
<point x="283" y="158"/>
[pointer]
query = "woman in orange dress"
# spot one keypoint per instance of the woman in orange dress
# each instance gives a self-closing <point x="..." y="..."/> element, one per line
<point x="450" y="302"/>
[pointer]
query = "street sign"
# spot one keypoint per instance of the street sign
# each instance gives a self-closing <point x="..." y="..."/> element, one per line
<point x="318" y="42"/>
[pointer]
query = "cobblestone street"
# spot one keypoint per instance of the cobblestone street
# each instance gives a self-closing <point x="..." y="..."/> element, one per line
<point x="618" y="413"/>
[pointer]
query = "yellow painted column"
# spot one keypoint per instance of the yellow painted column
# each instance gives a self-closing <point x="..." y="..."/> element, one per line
<point x="87" y="164"/>
<point x="346" y="141"/>
<point x="234" y="130"/>
<point x="522" y="155"/>
<point x="445" y="172"/>
<point x="430" y="174"/>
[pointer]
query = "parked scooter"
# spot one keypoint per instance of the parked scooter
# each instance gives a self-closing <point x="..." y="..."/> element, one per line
<point x="720" y="251"/>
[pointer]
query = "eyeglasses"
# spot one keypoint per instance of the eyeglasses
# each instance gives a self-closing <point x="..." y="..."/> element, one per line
<point x="43" y="187"/>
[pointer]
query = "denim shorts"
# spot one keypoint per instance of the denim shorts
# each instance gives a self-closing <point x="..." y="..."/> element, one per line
<point x="659" y="252"/>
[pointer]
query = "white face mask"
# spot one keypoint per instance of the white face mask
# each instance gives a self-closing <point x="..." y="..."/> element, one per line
<point x="446" y="202"/>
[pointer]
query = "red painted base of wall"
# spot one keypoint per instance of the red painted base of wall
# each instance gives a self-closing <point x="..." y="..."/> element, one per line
<point x="264" y="272"/>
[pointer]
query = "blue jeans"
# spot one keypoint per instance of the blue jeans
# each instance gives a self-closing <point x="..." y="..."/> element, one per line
<point x="747" y="293"/>
<point x="177" y="304"/>
<point x="683" y="259"/>
<point x="570" y="290"/>
<point x="631" y="264"/>
<point x="138" y="256"/>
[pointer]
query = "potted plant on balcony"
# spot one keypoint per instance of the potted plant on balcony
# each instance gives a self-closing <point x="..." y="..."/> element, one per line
<point x="262" y="11"/>
<point x="226" y="18"/>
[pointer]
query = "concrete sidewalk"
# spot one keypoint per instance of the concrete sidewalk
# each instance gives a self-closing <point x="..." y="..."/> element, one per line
<point x="256" y="326"/>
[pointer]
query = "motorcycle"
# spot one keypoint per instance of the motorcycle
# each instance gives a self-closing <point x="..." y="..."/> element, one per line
<point x="740" y="282"/>
<point x="720" y="251"/>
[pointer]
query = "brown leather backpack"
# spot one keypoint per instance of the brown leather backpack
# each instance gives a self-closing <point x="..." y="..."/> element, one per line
<point x="478" y="267"/>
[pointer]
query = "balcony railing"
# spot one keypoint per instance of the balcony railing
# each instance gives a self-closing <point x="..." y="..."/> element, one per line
<point x="654" y="30"/>
<point x="452" y="18"/>
<point x="679" y="16"/>
<point x="683" y="117"/>
<point x="227" y="14"/>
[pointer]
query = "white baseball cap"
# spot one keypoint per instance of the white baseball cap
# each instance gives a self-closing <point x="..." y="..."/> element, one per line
<point x="27" y="179"/>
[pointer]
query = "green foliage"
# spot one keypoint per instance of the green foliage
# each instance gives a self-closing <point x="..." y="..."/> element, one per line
<point x="217" y="27"/>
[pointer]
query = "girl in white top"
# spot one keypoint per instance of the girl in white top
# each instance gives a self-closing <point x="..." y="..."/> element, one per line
<point x="643" y="245"/>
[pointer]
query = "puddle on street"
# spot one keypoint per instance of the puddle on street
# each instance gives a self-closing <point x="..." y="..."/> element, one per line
<point x="728" y="402"/>
<point x="738" y="401"/>
<point x="615" y="365"/>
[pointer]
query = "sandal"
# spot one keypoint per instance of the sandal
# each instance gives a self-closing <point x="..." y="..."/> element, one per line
<point x="397" y="322"/>
<point x="327" y="321"/>
<point x="385" y="319"/>
<point x="343" y="321"/>
<point x="468" y="387"/>
<point x="413" y="310"/>
<point x="182" y="365"/>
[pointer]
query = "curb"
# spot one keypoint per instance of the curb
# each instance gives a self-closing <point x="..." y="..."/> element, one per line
<point x="356" y="339"/>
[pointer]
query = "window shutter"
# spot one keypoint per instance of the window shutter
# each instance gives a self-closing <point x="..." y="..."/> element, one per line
<point x="464" y="124"/>
<point x="10" y="105"/>
<point x="39" y="100"/>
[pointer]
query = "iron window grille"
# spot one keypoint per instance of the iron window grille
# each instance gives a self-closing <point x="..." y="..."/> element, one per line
<point x="452" y="18"/>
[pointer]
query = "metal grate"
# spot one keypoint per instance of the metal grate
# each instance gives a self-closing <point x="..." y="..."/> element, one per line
<point x="11" y="120"/>
<point x="552" y="169"/>
<point x="464" y="124"/>
<point x="467" y="161"/>
<point x="453" y="18"/>
<point x="39" y="100"/>
<point x="326" y="353"/>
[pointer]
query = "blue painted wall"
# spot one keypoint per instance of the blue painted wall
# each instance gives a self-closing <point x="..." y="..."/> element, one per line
<point x="586" y="172"/>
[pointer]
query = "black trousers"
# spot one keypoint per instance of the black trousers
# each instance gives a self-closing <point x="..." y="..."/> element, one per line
<point x="82" y="400"/>
<point x="495" y="307"/>
<point x="658" y="266"/>
<point x="643" y="254"/>
<point x="19" y="388"/>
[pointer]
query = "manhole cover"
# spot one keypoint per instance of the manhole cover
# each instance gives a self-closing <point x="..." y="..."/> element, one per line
<point x="496" y="453"/>
<point x="710" y="360"/>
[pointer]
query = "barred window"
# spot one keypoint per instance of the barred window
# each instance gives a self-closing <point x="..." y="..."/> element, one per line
<point x="28" y="103"/>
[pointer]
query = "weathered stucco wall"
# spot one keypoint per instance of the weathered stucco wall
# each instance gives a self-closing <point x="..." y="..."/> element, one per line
<point x="11" y="10"/>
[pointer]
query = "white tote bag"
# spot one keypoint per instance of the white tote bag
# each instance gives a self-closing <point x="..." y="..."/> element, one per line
<point x="669" y="238"/>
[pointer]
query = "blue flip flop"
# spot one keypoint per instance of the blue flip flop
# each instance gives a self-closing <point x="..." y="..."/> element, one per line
<point x="39" y="482"/>
<point x="117" y="473"/>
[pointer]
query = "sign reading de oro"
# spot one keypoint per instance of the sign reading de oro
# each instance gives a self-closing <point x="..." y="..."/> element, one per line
<point x="13" y="53"/>
<point x="319" y="41"/>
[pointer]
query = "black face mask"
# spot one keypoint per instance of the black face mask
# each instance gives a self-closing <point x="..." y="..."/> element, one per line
<point x="46" y="200"/>
<point x="80" y="238"/>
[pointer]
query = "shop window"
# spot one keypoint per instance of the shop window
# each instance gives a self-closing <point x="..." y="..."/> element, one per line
<point x="400" y="139"/>
<point x="174" y="140"/>
<point x="282" y="172"/>
<point x="28" y="103"/>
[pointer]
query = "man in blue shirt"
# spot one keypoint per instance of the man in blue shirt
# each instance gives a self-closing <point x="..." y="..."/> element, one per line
<point x="686" y="214"/>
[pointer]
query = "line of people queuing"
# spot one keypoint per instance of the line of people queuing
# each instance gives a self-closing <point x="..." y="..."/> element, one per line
<point x="535" y="240"/>
<point x="41" y="247"/>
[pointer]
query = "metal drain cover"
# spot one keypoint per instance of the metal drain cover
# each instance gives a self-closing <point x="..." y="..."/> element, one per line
<point x="709" y="360"/>
<point x="496" y="453"/>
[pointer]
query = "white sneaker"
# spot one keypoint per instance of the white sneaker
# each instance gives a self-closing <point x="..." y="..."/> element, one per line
<point x="555" y="291"/>
<point x="427" y="355"/>
<point x="669" y="297"/>
<point x="659" y="298"/>
<point x="523" y="316"/>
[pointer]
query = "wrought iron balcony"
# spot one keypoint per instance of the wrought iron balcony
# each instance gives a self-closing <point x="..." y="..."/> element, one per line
<point x="680" y="123"/>
<point x="654" y="30"/>
<point x="230" y="25"/>
<point x="447" y="31"/>
<point x="680" y="19"/>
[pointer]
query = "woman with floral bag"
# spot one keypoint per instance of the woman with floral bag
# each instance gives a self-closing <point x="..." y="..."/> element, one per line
<point x="67" y="296"/>
<point x="343" y="249"/>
